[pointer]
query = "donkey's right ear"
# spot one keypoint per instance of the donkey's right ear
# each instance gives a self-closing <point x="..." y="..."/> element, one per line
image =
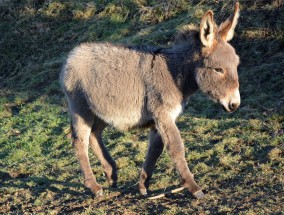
<point x="208" y="29"/>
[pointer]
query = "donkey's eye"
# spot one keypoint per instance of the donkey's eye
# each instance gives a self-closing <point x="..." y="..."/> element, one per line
<point x="220" y="70"/>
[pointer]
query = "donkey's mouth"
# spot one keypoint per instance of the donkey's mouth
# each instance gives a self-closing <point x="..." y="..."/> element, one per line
<point x="224" y="108"/>
<point x="231" y="104"/>
<point x="230" y="108"/>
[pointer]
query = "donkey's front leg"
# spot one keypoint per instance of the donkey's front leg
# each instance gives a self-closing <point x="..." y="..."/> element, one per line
<point x="175" y="147"/>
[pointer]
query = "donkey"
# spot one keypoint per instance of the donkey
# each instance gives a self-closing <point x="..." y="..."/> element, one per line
<point x="136" y="87"/>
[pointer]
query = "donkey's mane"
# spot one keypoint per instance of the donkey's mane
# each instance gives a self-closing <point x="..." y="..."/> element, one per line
<point x="187" y="38"/>
<point x="188" y="35"/>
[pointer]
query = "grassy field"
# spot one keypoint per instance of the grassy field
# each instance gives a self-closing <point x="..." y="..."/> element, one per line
<point x="238" y="158"/>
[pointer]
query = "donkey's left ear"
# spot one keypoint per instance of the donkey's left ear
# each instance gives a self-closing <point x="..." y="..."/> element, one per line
<point x="227" y="28"/>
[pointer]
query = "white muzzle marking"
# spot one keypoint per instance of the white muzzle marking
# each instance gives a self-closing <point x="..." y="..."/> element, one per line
<point x="232" y="101"/>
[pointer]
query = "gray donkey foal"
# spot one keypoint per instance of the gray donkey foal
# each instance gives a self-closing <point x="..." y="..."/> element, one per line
<point x="131" y="87"/>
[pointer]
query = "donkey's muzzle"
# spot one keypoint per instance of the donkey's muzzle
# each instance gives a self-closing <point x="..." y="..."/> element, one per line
<point x="233" y="106"/>
<point x="232" y="101"/>
<point x="230" y="108"/>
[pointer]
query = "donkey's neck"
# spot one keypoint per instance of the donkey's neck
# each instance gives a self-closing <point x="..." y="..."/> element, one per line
<point x="181" y="63"/>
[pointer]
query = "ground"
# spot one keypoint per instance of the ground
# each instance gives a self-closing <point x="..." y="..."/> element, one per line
<point x="238" y="158"/>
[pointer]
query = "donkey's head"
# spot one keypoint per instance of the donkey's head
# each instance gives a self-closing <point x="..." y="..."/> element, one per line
<point x="216" y="75"/>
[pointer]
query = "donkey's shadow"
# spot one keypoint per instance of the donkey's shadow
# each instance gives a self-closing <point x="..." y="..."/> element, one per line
<point x="43" y="183"/>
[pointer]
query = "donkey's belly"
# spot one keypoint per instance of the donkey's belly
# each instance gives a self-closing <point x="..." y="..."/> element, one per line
<point x="125" y="120"/>
<point x="120" y="112"/>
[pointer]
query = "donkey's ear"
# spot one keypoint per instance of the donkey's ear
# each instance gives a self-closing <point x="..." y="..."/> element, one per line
<point x="227" y="28"/>
<point x="207" y="29"/>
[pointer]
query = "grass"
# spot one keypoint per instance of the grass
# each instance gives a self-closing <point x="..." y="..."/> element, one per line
<point x="237" y="158"/>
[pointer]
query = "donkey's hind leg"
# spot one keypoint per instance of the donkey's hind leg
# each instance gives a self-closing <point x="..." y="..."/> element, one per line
<point x="155" y="149"/>
<point x="82" y="122"/>
<point x="101" y="152"/>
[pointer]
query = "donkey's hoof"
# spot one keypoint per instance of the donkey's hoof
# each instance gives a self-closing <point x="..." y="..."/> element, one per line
<point x="97" y="190"/>
<point x="198" y="194"/>
<point x="99" y="193"/>
<point x="143" y="192"/>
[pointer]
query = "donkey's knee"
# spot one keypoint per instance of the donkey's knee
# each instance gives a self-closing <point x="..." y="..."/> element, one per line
<point x="80" y="148"/>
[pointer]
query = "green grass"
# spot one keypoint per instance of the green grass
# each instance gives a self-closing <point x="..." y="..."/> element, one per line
<point x="237" y="158"/>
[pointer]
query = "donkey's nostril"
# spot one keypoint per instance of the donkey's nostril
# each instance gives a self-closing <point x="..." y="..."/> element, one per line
<point x="233" y="106"/>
